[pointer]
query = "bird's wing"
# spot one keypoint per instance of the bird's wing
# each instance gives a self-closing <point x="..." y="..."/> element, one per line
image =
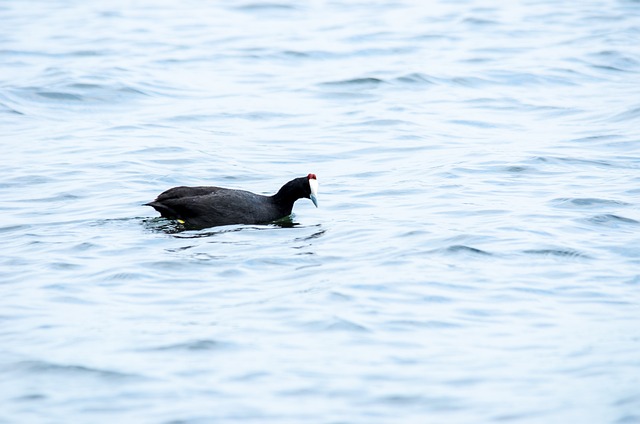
<point x="218" y="207"/>
<point x="182" y="192"/>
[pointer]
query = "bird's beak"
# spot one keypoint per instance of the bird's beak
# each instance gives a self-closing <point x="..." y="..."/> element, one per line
<point x="313" y="185"/>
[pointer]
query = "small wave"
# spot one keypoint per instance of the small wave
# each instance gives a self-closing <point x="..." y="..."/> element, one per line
<point x="562" y="253"/>
<point x="87" y="53"/>
<point x="8" y="109"/>
<point x="314" y="235"/>
<point x="469" y="123"/>
<point x="415" y="78"/>
<point x="459" y="248"/>
<point x="346" y="95"/>
<point x="470" y="81"/>
<point x="84" y="86"/>
<point x="55" y="95"/>
<point x="611" y="61"/>
<point x="534" y="291"/>
<point x="511" y="79"/>
<point x="194" y="346"/>
<point x="12" y="228"/>
<point x="573" y="161"/>
<point x="437" y="299"/>
<point x="413" y="324"/>
<point x="525" y="78"/>
<point x="586" y="202"/>
<point x="355" y="82"/>
<point x="629" y="115"/>
<point x="60" y="197"/>
<point x="72" y="95"/>
<point x="261" y="116"/>
<point x="26" y="180"/>
<point x="259" y="7"/>
<point x="383" y="122"/>
<point x="43" y="367"/>
<point x="300" y="55"/>
<point x="337" y="324"/>
<point x="598" y="138"/>
<point x="611" y="220"/>
<point x="435" y="36"/>
<point x="518" y="169"/>
<point x="608" y="68"/>
<point x="480" y="22"/>
<point x="386" y="51"/>
<point x="122" y="276"/>
<point x="31" y="397"/>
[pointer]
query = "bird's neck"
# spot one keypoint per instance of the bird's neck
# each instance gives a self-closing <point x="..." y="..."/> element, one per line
<point x="286" y="196"/>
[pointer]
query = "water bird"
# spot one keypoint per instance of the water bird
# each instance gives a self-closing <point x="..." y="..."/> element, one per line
<point x="203" y="207"/>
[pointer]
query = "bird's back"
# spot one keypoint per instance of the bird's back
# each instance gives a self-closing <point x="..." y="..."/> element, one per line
<point x="211" y="206"/>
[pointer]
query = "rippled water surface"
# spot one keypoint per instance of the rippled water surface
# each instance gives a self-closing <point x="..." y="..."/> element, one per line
<point x="475" y="256"/>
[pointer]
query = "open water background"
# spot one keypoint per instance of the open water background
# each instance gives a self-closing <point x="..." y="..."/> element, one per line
<point x="475" y="256"/>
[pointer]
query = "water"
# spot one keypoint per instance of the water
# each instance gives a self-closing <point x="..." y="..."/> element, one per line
<point x="475" y="256"/>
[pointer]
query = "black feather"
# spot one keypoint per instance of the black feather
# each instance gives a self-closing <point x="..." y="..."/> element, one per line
<point x="202" y="207"/>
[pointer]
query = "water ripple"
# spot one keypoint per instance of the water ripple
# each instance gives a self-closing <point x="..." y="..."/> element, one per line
<point x="587" y="203"/>
<point x="561" y="253"/>
<point x="462" y="249"/>
<point x="36" y="367"/>
<point x="474" y="257"/>
<point x="195" y="346"/>
<point x="611" y="220"/>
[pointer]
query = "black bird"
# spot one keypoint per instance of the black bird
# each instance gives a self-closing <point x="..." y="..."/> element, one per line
<point x="202" y="207"/>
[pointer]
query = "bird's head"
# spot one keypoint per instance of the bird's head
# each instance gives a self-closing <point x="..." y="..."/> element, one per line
<point x="313" y="186"/>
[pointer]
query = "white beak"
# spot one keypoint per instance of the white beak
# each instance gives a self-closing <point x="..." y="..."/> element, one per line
<point x="313" y="185"/>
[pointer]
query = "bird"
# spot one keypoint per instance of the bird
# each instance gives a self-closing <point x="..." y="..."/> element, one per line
<point x="205" y="206"/>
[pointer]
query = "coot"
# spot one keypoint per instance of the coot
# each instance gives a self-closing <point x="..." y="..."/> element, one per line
<point x="202" y="207"/>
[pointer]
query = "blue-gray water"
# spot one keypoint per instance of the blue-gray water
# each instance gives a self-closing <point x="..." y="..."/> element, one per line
<point x="476" y="253"/>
